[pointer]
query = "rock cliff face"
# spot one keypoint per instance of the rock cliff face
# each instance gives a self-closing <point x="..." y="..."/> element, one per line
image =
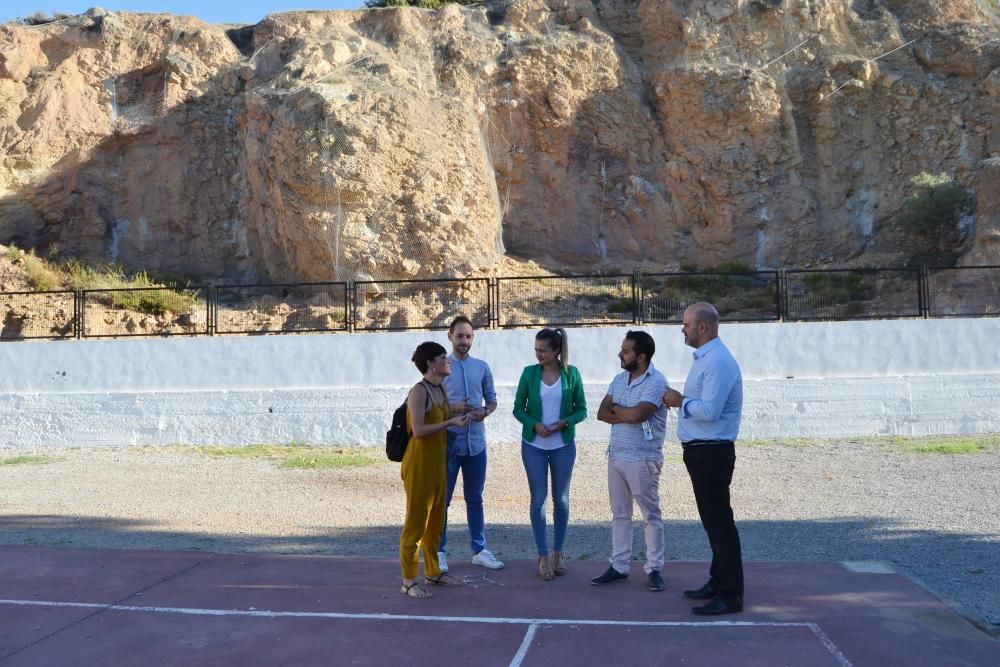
<point x="416" y="143"/>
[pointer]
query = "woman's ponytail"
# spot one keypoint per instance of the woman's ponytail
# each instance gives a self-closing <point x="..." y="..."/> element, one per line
<point x="563" y="349"/>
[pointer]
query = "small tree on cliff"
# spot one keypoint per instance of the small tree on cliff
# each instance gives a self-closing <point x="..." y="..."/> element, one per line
<point x="932" y="214"/>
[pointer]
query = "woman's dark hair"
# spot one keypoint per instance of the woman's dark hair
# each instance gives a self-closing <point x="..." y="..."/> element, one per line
<point x="556" y="338"/>
<point x="426" y="353"/>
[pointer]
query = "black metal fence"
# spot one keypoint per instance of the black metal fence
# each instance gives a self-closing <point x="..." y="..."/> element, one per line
<point x="565" y="300"/>
<point x="855" y="294"/>
<point x="144" y="311"/>
<point x="398" y="305"/>
<point x="280" y="308"/>
<point x="28" y="315"/>
<point x="494" y="303"/>
<point x="967" y="291"/>
<point x="739" y="297"/>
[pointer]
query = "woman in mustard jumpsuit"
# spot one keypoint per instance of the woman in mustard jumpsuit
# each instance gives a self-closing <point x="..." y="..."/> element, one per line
<point x="424" y="470"/>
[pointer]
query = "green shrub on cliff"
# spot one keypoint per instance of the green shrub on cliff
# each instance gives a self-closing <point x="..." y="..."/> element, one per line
<point x="40" y="276"/>
<point x="937" y="203"/>
<point x="932" y="214"/>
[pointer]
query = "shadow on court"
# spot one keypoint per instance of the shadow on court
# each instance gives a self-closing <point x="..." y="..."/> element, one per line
<point x="98" y="606"/>
<point x="958" y="567"/>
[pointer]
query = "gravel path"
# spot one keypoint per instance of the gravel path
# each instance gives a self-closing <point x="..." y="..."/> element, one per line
<point x="934" y="517"/>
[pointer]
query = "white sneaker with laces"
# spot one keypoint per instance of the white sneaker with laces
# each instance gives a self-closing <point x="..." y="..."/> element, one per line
<point x="443" y="561"/>
<point x="485" y="558"/>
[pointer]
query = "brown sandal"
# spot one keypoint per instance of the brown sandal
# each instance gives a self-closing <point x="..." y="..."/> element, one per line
<point x="443" y="579"/>
<point x="558" y="563"/>
<point x="414" y="590"/>
<point x="544" y="568"/>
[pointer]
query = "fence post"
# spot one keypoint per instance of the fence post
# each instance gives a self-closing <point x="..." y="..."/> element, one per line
<point x="77" y="314"/>
<point x="496" y="302"/>
<point x="83" y="312"/>
<point x="350" y="305"/>
<point x="924" y="290"/>
<point x="781" y="293"/>
<point x="212" y="313"/>
<point x="637" y="309"/>
<point x="489" y="302"/>
<point x="492" y="314"/>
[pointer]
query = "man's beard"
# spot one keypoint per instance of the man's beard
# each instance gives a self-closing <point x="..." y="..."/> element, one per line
<point x="631" y="366"/>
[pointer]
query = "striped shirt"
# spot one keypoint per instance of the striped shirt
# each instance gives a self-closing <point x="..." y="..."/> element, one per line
<point x="628" y="441"/>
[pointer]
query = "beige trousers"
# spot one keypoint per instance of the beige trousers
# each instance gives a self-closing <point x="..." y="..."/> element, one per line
<point x="637" y="481"/>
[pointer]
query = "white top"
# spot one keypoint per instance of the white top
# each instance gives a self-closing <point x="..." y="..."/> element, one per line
<point x="551" y="396"/>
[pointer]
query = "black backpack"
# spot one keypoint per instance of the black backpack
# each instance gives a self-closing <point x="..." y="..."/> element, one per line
<point x="397" y="437"/>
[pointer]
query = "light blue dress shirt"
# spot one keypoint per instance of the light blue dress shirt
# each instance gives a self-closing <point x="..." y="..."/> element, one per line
<point x="713" y="396"/>
<point x="470" y="379"/>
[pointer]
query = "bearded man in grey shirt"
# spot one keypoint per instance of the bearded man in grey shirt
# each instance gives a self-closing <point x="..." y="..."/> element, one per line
<point x="633" y="407"/>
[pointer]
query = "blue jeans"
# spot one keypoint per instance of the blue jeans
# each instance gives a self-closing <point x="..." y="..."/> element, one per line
<point x="537" y="464"/>
<point x="473" y="470"/>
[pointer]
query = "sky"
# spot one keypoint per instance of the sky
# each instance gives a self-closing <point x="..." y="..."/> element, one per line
<point x="213" y="11"/>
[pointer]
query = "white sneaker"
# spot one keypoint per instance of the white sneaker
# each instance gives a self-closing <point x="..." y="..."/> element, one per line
<point x="486" y="559"/>
<point x="442" y="561"/>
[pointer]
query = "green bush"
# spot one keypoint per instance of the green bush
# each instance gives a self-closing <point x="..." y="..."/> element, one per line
<point x="41" y="277"/>
<point x="839" y="286"/>
<point x="156" y="298"/>
<point x="749" y="295"/>
<point x="935" y="206"/>
<point x="622" y="306"/>
<point x="931" y="215"/>
<point x="733" y="266"/>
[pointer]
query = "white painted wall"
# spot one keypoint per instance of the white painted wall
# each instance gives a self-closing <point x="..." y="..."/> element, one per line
<point x="909" y="377"/>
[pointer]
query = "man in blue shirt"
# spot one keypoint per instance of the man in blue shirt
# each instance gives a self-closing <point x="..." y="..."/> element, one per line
<point x="635" y="457"/>
<point x="707" y="426"/>
<point x="470" y="388"/>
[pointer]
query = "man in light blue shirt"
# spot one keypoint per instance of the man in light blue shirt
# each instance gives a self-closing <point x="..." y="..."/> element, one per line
<point x="707" y="425"/>
<point x="470" y="387"/>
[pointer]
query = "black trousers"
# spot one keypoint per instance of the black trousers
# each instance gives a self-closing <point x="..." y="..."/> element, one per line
<point x="711" y="469"/>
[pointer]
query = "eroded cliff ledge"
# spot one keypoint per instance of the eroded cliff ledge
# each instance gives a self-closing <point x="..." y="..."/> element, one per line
<point x="407" y="142"/>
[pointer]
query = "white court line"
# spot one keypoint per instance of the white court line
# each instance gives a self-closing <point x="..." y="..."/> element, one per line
<point x="830" y="646"/>
<point x="525" y="645"/>
<point x="267" y="613"/>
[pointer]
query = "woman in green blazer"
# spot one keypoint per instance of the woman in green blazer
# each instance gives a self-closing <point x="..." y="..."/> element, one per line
<point x="549" y="403"/>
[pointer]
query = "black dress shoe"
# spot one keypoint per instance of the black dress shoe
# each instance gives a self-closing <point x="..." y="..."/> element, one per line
<point x="706" y="592"/>
<point x="656" y="582"/>
<point x="610" y="576"/>
<point x="717" y="607"/>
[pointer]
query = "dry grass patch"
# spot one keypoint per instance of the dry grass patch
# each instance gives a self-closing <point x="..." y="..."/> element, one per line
<point x="293" y="455"/>
<point x="27" y="459"/>
<point x="938" y="444"/>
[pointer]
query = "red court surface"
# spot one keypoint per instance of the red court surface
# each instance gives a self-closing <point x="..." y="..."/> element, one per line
<point x="105" y="607"/>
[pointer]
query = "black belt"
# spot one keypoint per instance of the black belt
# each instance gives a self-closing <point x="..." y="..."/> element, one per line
<point x="705" y="443"/>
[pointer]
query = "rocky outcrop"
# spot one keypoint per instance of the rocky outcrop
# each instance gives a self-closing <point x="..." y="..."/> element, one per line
<point x="986" y="243"/>
<point x="415" y="143"/>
